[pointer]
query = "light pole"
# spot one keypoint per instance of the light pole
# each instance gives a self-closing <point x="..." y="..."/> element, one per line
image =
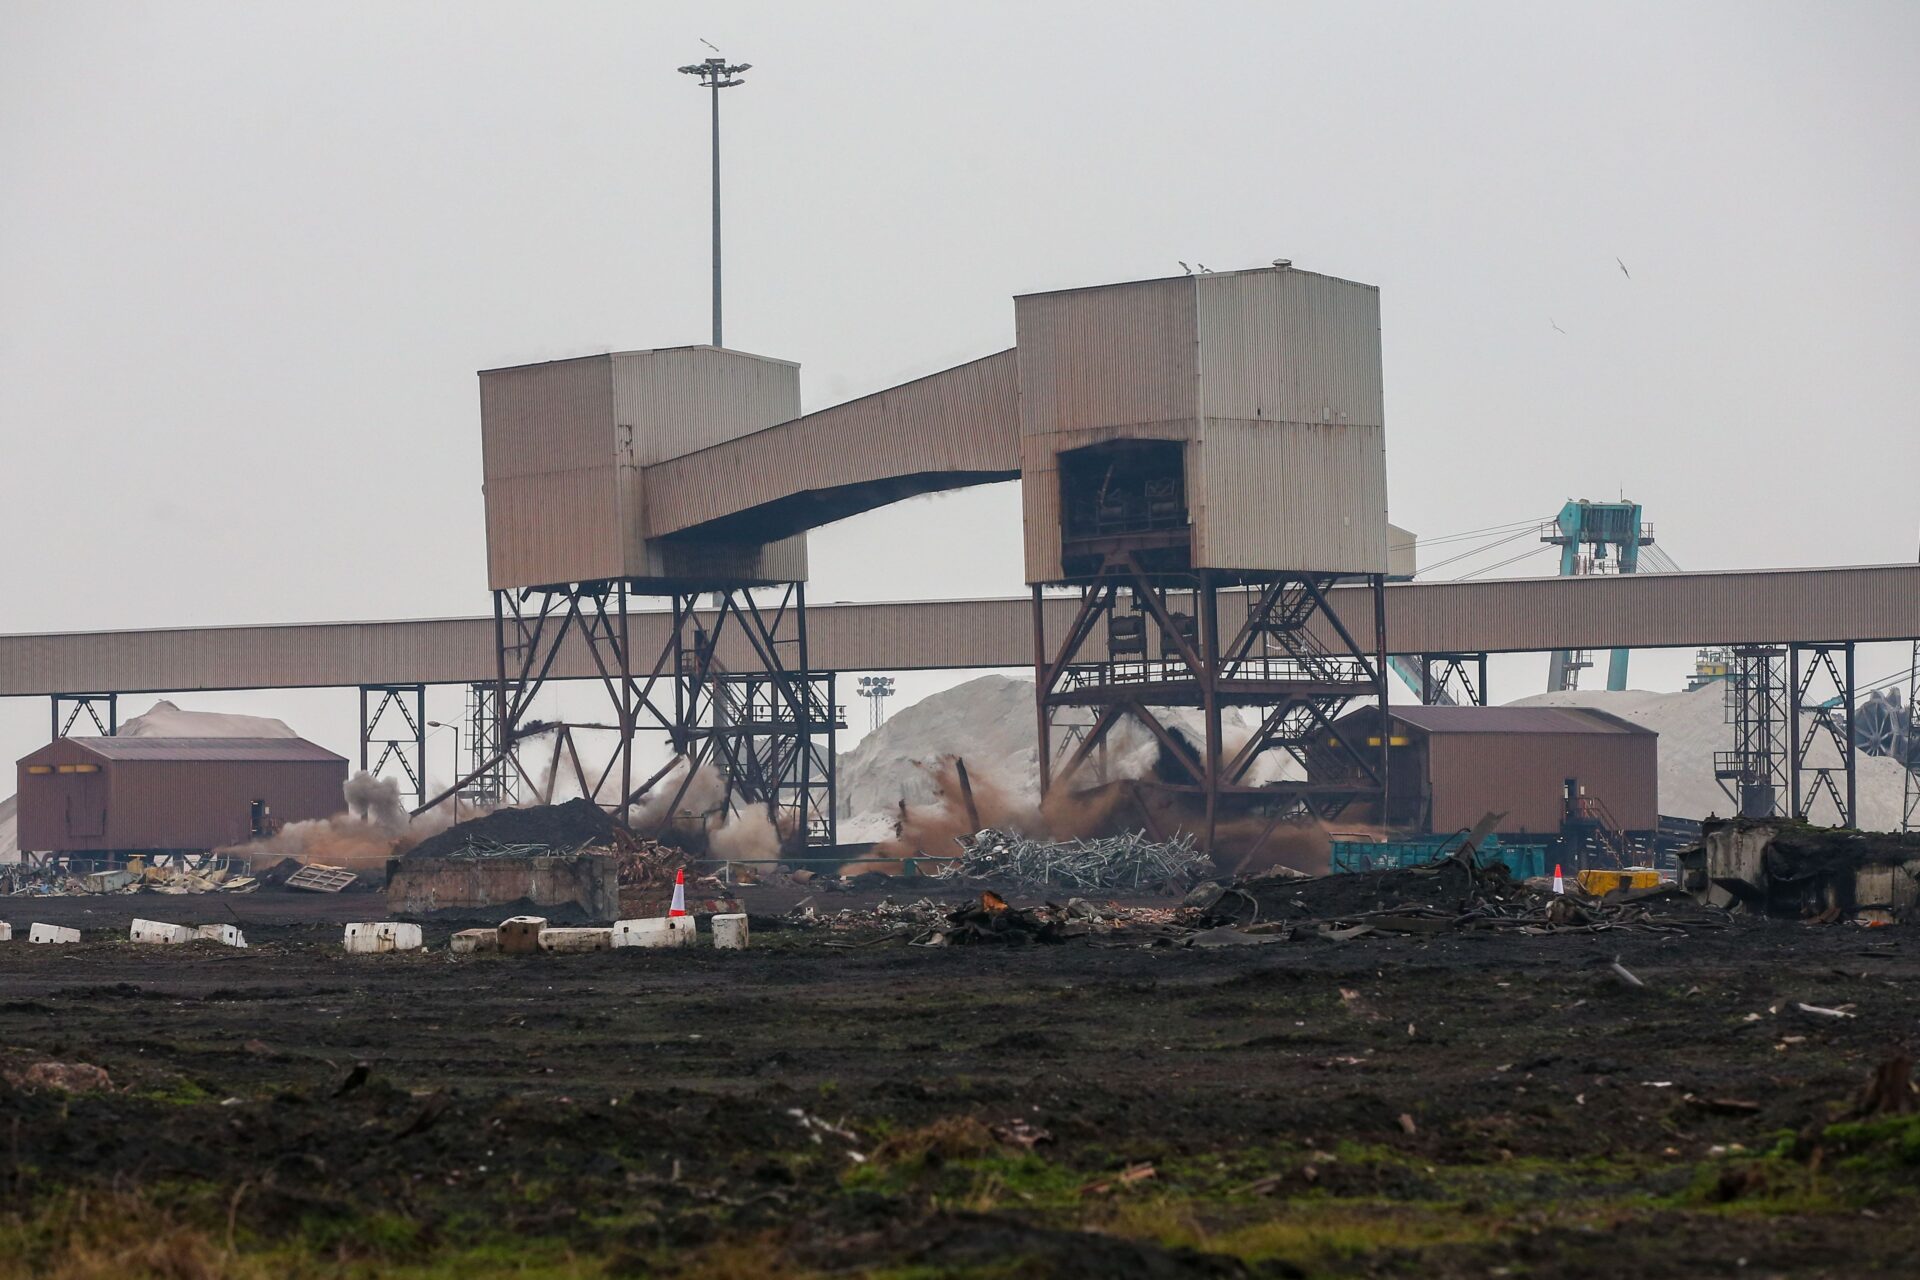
<point x="716" y="74"/>
<point x="878" y="688"/>
<point x="435" y="724"/>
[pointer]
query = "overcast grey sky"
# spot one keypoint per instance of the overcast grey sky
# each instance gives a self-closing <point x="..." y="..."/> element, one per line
<point x="251" y="255"/>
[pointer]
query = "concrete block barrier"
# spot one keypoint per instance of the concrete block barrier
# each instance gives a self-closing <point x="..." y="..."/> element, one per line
<point x="520" y="935"/>
<point x="384" y="935"/>
<point x="468" y="941"/>
<point x="730" y="932"/>
<point x="6" y="931"/>
<point x="227" y="935"/>
<point x="52" y="933"/>
<point x="158" y="931"/>
<point x="566" y="940"/>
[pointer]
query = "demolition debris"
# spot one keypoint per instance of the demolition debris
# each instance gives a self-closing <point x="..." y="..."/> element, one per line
<point x="1112" y="864"/>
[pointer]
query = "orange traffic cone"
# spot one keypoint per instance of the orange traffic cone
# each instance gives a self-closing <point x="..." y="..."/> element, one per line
<point x="679" y="907"/>
<point x="1559" y="883"/>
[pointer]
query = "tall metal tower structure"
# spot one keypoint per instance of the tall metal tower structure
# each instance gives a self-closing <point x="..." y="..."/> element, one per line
<point x="1586" y="532"/>
<point x="1755" y="774"/>
<point x="717" y="74"/>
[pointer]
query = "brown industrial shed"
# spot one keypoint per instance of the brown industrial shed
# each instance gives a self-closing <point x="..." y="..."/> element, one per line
<point x="175" y="795"/>
<point x="1451" y="765"/>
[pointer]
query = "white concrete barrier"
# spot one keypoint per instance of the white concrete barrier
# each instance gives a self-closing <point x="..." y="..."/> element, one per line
<point x="468" y="941"/>
<point x="383" y="935"/>
<point x="227" y="935"/>
<point x="565" y="940"/>
<point x="521" y="934"/>
<point x="660" y="931"/>
<point x="52" y="933"/>
<point x="6" y="931"/>
<point x="159" y="931"/>
<point x="730" y="932"/>
<point x="641" y="933"/>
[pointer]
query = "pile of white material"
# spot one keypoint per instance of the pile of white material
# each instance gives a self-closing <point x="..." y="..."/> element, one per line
<point x="165" y="720"/>
<point x="162" y="720"/>
<point x="1692" y="726"/>
<point x="989" y="723"/>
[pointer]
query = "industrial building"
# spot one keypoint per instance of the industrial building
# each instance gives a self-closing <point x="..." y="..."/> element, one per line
<point x="1204" y="501"/>
<point x="1554" y="774"/>
<point x="113" y="796"/>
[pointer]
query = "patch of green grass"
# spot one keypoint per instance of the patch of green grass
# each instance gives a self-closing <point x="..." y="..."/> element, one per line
<point x="179" y="1091"/>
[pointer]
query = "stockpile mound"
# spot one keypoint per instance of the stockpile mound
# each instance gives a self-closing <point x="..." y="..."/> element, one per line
<point x="552" y="828"/>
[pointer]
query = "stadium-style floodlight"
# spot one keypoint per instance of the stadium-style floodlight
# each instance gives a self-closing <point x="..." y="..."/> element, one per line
<point x="717" y="74"/>
<point x="879" y="689"/>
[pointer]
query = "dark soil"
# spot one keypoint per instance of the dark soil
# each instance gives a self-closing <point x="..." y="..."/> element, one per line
<point x="565" y="827"/>
<point x="1446" y="1106"/>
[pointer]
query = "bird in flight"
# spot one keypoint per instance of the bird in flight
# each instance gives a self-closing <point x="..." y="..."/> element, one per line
<point x="1205" y="270"/>
<point x="710" y="44"/>
<point x="1184" y="267"/>
<point x="1623" y="269"/>
<point x="1556" y="327"/>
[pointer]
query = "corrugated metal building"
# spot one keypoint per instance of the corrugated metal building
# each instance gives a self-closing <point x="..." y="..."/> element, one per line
<point x="1264" y="388"/>
<point x="175" y="795"/>
<point x="565" y="446"/>
<point x="1451" y="765"/>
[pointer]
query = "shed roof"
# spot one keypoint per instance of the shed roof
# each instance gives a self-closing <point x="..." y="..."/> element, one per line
<point x="257" y="750"/>
<point x="1449" y="720"/>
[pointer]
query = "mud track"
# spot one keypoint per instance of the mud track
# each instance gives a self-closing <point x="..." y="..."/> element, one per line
<point x="660" y="1112"/>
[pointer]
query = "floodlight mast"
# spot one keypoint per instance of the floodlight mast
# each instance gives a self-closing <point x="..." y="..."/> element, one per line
<point x="717" y="74"/>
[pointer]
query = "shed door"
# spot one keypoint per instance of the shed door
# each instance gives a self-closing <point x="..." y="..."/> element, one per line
<point x="86" y="804"/>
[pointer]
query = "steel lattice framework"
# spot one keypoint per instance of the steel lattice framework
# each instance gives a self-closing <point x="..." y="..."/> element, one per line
<point x="1755" y="773"/>
<point x="768" y="730"/>
<point x="1165" y="649"/>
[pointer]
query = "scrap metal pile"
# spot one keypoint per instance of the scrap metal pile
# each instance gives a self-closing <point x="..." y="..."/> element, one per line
<point x="136" y="877"/>
<point x="1111" y="864"/>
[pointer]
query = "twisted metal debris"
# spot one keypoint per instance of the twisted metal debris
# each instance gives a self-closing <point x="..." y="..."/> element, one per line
<point x="1104" y="865"/>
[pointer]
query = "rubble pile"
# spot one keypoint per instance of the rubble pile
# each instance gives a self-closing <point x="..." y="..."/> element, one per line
<point x="990" y="918"/>
<point x="1111" y="864"/>
<point x="136" y="877"/>
<point x="1781" y="867"/>
<point x="538" y="829"/>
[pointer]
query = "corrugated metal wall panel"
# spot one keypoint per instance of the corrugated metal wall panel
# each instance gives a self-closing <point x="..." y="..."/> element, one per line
<point x="1523" y="775"/>
<point x="687" y="398"/>
<point x="1289" y="346"/>
<point x="961" y="419"/>
<point x="1290" y="496"/>
<point x="546" y="437"/>
<point x="1880" y="602"/>
<point x="1107" y="356"/>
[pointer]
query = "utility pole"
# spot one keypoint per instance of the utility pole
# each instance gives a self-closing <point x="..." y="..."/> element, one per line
<point x="716" y="74"/>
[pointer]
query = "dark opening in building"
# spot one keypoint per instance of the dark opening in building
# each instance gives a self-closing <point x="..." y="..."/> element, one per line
<point x="1124" y="494"/>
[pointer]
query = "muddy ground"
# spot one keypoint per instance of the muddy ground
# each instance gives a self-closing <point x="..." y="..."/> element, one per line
<point x="1449" y="1106"/>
